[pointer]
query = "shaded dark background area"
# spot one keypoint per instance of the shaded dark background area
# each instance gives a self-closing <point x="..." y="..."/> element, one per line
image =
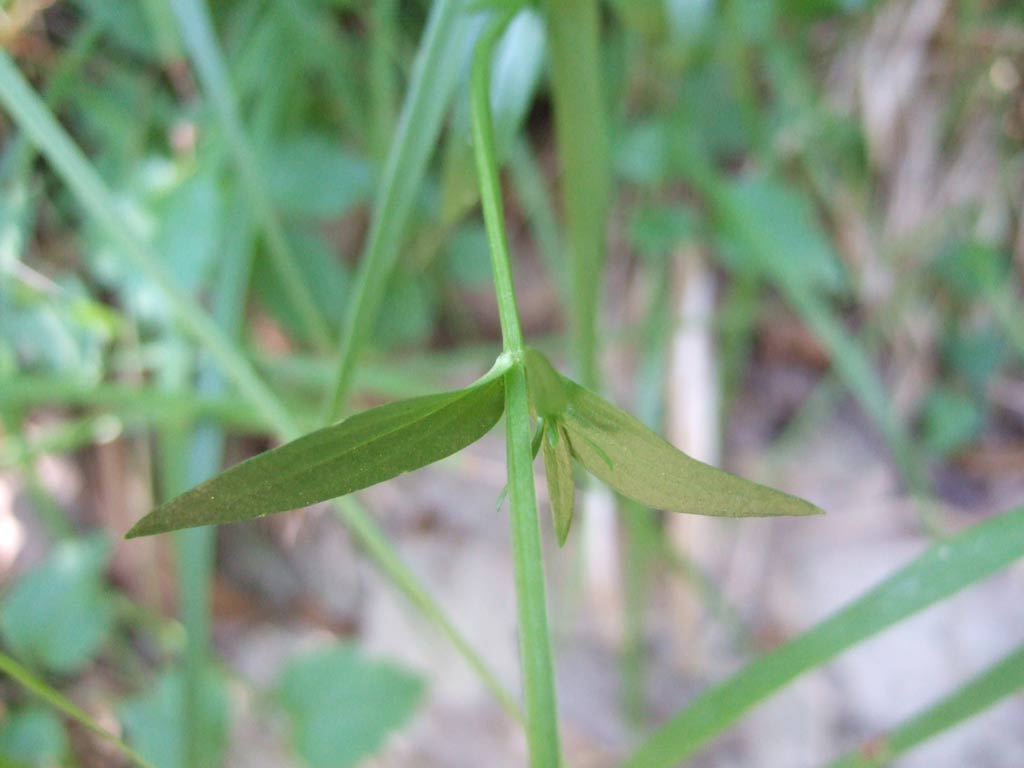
<point x="815" y="249"/>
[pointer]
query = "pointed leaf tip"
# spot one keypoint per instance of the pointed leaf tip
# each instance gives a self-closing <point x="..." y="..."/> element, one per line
<point x="360" y="451"/>
<point x="622" y="452"/>
<point x="561" y="484"/>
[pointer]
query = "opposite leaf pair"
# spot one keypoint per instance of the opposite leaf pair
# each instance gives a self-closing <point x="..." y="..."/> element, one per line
<point x="392" y="439"/>
<point x="631" y="459"/>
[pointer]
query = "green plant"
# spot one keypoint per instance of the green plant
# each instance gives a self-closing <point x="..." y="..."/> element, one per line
<point x="573" y="423"/>
<point x="181" y="293"/>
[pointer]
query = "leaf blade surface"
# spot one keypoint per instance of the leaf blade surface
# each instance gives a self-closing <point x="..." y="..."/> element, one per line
<point x="360" y="451"/>
<point x="636" y="462"/>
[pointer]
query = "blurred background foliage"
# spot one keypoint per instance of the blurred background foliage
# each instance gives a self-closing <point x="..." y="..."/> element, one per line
<point x="844" y="177"/>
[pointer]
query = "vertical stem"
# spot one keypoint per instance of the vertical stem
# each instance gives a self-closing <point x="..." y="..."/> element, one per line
<point x="574" y="34"/>
<point x="531" y="600"/>
<point x="383" y="42"/>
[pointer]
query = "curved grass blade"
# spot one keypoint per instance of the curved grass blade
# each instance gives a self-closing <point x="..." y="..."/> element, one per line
<point x="1002" y="679"/>
<point x="944" y="569"/>
<point x="639" y="464"/>
<point x="360" y="451"/>
<point x="561" y="487"/>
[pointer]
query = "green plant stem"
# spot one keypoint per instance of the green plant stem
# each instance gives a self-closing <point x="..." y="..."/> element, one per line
<point x="43" y="130"/>
<point x="944" y="569"/>
<point x="531" y="600"/>
<point x="383" y="43"/>
<point x="435" y="73"/>
<point x="201" y="44"/>
<point x="574" y="39"/>
<point x="194" y="455"/>
<point x="62" y="704"/>
<point x="1000" y="680"/>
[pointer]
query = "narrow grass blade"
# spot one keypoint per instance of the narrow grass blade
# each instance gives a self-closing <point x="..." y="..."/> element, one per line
<point x="59" y="702"/>
<point x="363" y="450"/>
<point x="944" y="569"/>
<point x="199" y="40"/>
<point x="636" y="462"/>
<point x="195" y="457"/>
<point x="438" y="62"/>
<point x="1002" y="679"/>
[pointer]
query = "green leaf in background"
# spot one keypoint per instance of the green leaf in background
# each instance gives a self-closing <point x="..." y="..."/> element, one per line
<point x="782" y="221"/>
<point x="155" y="724"/>
<point x="951" y="419"/>
<point x="462" y="258"/>
<point x="342" y="707"/>
<point x="188" y="234"/>
<point x="640" y="154"/>
<point x="561" y="484"/>
<point x="59" y="614"/>
<point x="656" y="230"/>
<point x="946" y="568"/>
<point x="642" y="466"/>
<point x="975" y="354"/>
<point x="316" y="177"/>
<point x="408" y="312"/>
<point x="324" y="272"/>
<point x="32" y="737"/>
<point x="360" y="451"/>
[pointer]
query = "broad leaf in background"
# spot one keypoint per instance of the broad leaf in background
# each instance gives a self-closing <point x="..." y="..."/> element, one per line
<point x="316" y="177"/>
<point x="155" y="725"/>
<point x="951" y="420"/>
<point x="622" y="452"/>
<point x="408" y="311"/>
<point x="790" y="241"/>
<point x="342" y="707"/>
<point x="360" y="451"/>
<point x="59" y="614"/>
<point x="326" y="275"/>
<point x="32" y="737"/>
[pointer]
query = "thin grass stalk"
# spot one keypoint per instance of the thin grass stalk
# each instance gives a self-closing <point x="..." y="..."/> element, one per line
<point x="54" y="698"/>
<point x="202" y="452"/>
<point x="531" y="600"/>
<point x="383" y="84"/>
<point x="641" y="533"/>
<point x="943" y="570"/>
<point x="435" y="73"/>
<point x="39" y="125"/>
<point x="1002" y="679"/>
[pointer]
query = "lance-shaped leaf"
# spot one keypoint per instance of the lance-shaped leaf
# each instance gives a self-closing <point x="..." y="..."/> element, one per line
<point x="360" y="451"/>
<point x="639" y="464"/>
<point x="561" y="486"/>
